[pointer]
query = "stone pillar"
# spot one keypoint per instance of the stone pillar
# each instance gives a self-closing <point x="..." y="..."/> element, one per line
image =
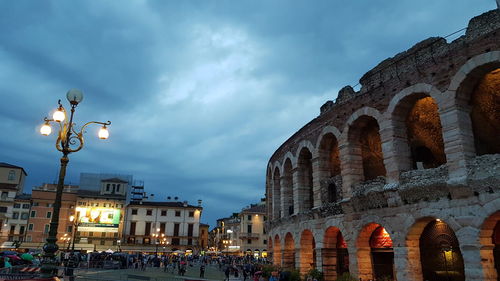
<point x="288" y="260"/>
<point x="458" y="139"/>
<point x="298" y="192"/>
<point x="297" y="259"/>
<point x="353" y="259"/>
<point x="364" y="258"/>
<point x="318" y="175"/>
<point x="351" y="164"/>
<point x="285" y="198"/>
<point x="319" y="258"/>
<point x="403" y="265"/>
<point x="395" y="149"/>
<point x="473" y="265"/>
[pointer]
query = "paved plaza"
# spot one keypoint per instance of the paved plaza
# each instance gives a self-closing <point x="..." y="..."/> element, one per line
<point x="152" y="273"/>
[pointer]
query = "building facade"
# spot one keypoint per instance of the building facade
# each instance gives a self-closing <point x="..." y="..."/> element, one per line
<point x="400" y="179"/>
<point x="252" y="231"/>
<point x="203" y="237"/>
<point x="11" y="185"/>
<point x="161" y="226"/>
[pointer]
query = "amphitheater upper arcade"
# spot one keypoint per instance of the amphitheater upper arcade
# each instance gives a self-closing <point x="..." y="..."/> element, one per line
<point x="414" y="152"/>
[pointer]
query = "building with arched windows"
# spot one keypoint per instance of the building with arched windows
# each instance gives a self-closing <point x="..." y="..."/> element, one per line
<point x="400" y="179"/>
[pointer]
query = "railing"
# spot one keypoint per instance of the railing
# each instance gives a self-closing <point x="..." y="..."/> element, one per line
<point x="249" y="235"/>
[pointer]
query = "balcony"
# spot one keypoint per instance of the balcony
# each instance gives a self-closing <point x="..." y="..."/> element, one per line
<point x="249" y="236"/>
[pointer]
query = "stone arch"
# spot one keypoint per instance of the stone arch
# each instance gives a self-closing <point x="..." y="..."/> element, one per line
<point x="289" y="252"/>
<point x="287" y="196"/>
<point x="459" y="130"/>
<point x="335" y="256"/>
<point x="416" y="128"/>
<point x="328" y="173"/>
<point x="375" y="255"/>
<point x="277" y="251"/>
<point x="307" y="252"/>
<point x="276" y="191"/>
<point x="489" y="239"/>
<point x="305" y="144"/>
<point x="361" y="148"/>
<point x="305" y="196"/>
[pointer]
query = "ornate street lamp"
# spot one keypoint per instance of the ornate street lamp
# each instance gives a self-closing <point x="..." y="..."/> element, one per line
<point x="68" y="140"/>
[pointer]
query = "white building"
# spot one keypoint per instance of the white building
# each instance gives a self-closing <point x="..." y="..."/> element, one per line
<point x="11" y="185"/>
<point x="161" y="226"/>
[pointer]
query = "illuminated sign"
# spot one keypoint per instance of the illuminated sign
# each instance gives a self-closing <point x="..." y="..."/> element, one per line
<point x="98" y="219"/>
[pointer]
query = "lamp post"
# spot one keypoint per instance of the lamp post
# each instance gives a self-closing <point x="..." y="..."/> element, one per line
<point x="74" y="220"/>
<point x="69" y="140"/>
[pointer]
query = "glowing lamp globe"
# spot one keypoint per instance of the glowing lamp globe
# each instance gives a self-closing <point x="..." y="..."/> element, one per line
<point x="45" y="129"/>
<point x="74" y="96"/>
<point x="58" y="115"/>
<point x="103" y="133"/>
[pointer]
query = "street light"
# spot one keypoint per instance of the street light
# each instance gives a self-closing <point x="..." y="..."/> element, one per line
<point x="74" y="220"/>
<point x="68" y="140"/>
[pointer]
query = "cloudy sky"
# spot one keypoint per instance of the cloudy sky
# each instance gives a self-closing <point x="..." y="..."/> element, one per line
<point x="200" y="93"/>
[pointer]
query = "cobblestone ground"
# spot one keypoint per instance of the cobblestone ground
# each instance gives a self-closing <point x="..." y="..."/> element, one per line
<point x="212" y="273"/>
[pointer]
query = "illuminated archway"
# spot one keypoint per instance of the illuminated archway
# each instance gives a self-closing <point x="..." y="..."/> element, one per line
<point x="289" y="252"/>
<point x="489" y="238"/>
<point x="277" y="251"/>
<point x="375" y="253"/>
<point x="334" y="254"/>
<point x="307" y="252"/>
<point x="440" y="254"/>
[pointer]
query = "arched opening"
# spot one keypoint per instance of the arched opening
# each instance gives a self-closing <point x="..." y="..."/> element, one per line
<point x="307" y="252"/>
<point x="305" y="174"/>
<point x="277" y="251"/>
<point x="329" y="166"/>
<point x="375" y="253"/>
<point x="276" y="194"/>
<point x="334" y="254"/>
<point x="289" y="252"/>
<point x="365" y="140"/>
<point x="269" y="195"/>
<point x="382" y="254"/>
<point x="440" y="254"/>
<point x="489" y="238"/>
<point x="485" y="113"/>
<point x="287" y="196"/>
<point x="417" y="117"/>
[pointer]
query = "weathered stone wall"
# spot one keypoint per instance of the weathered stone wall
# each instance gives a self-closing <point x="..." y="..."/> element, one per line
<point x="463" y="192"/>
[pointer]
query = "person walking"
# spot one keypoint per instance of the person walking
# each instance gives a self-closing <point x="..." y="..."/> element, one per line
<point x="227" y="272"/>
<point x="202" y="270"/>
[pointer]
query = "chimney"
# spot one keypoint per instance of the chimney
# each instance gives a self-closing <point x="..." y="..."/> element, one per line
<point x="199" y="200"/>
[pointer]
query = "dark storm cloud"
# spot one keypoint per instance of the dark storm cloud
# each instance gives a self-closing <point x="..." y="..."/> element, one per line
<point x="200" y="93"/>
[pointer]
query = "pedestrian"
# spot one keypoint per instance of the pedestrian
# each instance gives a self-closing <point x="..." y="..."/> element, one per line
<point x="202" y="271"/>
<point x="245" y="274"/>
<point x="226" y="272"/>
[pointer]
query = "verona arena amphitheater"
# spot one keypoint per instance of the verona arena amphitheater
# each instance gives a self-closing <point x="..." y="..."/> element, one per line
<point x="400" y="179"/>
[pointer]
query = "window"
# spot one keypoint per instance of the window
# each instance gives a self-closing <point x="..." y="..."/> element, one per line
<point x="191" y="214"/>
<point x="149" y="212"/>
<point x="82" y="203"/>
<point x="30" y="226"/>
<point x="147" y="229"/>
<point x="49" y="205"/>
<point x="118" y="188"/>
<point x="176" y="241"/>
<point x="249" y="217"/>
<point x="33" y="214"/>
<point x="249" y="241"/>
<point x="115" y="234"/>
<point x="177" y="213"/>
<point x="102" y="242"/>
<point x="28" y="238"/>
<point x="69" y="229"/>
<point x="3" y="209"/>
<point x="49" y="215"/>
<point x="190" y="241"/>
<point x="107" y="186"/>
<point x="12" y="175"/>
<point x="15" y="215"/>
<point x="134" y="211"/>
<point x="71" y="206"/>
<point x="103" y="234"/>
<point x="176" y="229"/>
<point x="4" y="195"/>
<point x="249" y="228"/>
<point x="132" y="228"/>
<point x="21" y="229"/>
<point x="46" y="229"/>
<point x="24" y="216"/>
<point x="163" y="213"/>
<point x="26" y="206"/>
<point x="190" y="230"/>
<point x="36" y="204"/>
<point x="91" y="234"/>
<point x="17" y="206"/>
<point x="265" y="242"/>
<point x="162" y="228"/>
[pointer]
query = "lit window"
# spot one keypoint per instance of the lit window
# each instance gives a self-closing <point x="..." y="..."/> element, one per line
<point x="17" y="206"/>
